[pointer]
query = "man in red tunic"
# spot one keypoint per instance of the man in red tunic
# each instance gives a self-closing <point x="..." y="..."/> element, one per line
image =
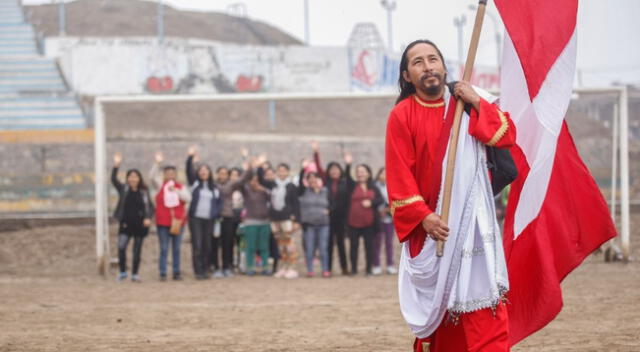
<point x="452" y="303"/>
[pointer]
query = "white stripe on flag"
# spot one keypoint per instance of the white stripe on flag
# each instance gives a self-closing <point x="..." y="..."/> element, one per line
<point x="538" y="123"/>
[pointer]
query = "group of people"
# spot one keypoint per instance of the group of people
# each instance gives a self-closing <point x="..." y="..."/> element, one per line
<point x="253" y="219"/>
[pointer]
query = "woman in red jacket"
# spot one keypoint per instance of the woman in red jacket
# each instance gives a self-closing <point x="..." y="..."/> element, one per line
<point x="170" y="204"/>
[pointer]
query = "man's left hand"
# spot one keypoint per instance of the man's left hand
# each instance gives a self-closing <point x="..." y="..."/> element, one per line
<point x="464" y="91"/>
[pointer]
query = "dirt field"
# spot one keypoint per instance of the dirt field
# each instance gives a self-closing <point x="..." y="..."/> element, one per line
<point x="52" y="300"/>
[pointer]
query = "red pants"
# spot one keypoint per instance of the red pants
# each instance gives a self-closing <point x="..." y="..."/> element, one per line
<point x="475" y="332"/>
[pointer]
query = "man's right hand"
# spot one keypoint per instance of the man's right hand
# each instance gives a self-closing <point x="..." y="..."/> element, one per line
<point x="435" y="227"/>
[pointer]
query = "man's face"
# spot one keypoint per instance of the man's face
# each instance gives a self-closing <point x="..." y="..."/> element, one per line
<point x="283" y="173"/>
<point x="169" y="175"/>
<point x="425" y="69"/>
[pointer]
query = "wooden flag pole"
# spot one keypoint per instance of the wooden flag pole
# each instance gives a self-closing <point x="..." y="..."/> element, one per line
<point x="457" y="117"/>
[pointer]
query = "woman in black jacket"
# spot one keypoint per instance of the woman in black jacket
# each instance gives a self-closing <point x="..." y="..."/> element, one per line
<point x="134" y="213"/>
<point x="363" y="200"/>
<point x="204" y="210"/>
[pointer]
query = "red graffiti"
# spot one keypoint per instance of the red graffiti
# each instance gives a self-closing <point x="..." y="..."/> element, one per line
<point x="360" y="70"/>
<point x="248" y="84"/>
<point x="160" y="84"/>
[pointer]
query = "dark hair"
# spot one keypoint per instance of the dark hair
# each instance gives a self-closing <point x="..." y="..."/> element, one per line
<point x="407" y="88"/>
<point x="220" y="168"/>
<point x="380" y="171"/>
<point x="285" y="165"/>
<point x="368" y="168"/>
<point x="141" y="185"/>
<point x="332" y="164"/>
<point x="309" y="174"/>
<point x="236" y="169"/>
<point x="168" y="167"/>
<point x="210" y="183"/>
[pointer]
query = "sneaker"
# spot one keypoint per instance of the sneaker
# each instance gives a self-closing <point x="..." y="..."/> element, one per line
<point x="266" y="272"/>
<point x="311" y="274"/>
<point x="326" y="274"/>
<point x="376" y="270"/>
<point x="122" y="277"/>
<point x="177" y="277"/>
<point x="163" y="277"/>
<point x="391" y="270"/>
<point x="251" y="273"/>
<point x="135" y="278"/>
<point x="280" y="273"/>
<point x="291" y="274"/>
<point x="227" y="273"/>
<point x="201" y="277"/>
<point x="217" y="274"/>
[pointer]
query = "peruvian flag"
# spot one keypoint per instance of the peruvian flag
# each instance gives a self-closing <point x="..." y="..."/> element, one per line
<point x="556" y="214"/>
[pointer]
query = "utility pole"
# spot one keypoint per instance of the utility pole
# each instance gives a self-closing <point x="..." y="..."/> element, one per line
<point x="496" y="35"/>
<point x="459" y="22"/>
<point x="390" y="6"/>
<point x="61" y="19"/>
<point x="306" y="22"/>
<point x="160" y="22"/>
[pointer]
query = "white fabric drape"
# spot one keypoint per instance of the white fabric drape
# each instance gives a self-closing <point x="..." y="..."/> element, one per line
<point x="472" y="274"/>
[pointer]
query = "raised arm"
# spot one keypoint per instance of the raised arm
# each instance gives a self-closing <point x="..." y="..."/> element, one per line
<point x="301" y="186"/>
<point x="155" y="178"/>
<point x="351" y="183"/>
<point x="117" y="160"/>
<point x="265" y="183"/>
<point x="190" y="171"/>
<point x="316" y="159"/>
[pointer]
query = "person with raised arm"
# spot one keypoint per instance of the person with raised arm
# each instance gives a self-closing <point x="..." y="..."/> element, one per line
<point x="134" y="213"/>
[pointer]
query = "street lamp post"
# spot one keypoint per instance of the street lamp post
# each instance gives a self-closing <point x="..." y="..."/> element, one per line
<point x="61" y="18"/>
<point x="496" y="30"/>
<point x="306" y="22"/>
<point x="459" y="22"/>
<point x="390" y="6"/>
<point x="160" y="22"/>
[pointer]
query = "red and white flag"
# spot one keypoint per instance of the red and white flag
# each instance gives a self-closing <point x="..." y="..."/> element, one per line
<point x="556" y="214"/>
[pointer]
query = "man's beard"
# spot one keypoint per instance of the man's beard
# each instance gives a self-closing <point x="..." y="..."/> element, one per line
<point x="433" y="89"/>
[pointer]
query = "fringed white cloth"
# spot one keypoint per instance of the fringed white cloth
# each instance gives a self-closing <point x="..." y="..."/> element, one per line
<point x="472" y="273"/>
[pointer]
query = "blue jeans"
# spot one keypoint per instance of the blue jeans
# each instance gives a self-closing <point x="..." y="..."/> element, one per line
<point x="316" y="238"/>
<point x="165" y="237"/>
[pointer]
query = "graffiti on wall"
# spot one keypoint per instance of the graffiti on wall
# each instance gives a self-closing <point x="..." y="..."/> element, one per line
<point x="373" y="70"/>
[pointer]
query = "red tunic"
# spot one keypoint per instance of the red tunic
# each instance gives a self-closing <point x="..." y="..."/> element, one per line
<point x="416" y="142"/>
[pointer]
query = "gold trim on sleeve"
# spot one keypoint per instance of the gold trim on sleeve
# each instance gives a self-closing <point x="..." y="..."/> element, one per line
<point x="402" y="202"/>
<point x="501" y="131"/>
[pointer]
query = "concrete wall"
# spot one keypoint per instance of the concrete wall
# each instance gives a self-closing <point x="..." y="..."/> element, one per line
<point x="98" y="66"/>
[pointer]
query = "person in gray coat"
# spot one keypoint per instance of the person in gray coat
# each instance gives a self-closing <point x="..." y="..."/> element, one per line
<point x="314" y="217"/>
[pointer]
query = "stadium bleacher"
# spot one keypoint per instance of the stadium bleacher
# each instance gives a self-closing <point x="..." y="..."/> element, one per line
<point x="33" y="94"/>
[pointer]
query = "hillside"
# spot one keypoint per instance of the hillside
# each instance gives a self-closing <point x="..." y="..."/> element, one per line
<point x="121" y="18"/>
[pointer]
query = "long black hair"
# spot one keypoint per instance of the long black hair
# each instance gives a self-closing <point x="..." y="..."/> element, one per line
<point x="329" y="166"/>
<point x="370" y="180"/>
<point x="210" y="182"/>
<point x="407" y="88"/>
<point x="141" y="184"/>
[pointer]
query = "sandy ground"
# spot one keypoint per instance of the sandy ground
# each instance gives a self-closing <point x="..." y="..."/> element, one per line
<point x="52" y="300"/>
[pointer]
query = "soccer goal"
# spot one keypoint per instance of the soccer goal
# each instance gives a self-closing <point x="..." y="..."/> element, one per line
<point x="312" y="106"/>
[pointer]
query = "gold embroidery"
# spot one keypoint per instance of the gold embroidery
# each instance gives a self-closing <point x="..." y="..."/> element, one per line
<point x="426" y="346"/>
<point x="428" y="105"/>
<point x="501" y="131"/>
<point x="402" y="202"/>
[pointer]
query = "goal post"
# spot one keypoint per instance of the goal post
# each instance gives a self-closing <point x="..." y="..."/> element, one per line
<point x="620" y="140"/>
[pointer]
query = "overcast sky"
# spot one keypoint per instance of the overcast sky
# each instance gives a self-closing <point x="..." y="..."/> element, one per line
<point x="607" y="30"/>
